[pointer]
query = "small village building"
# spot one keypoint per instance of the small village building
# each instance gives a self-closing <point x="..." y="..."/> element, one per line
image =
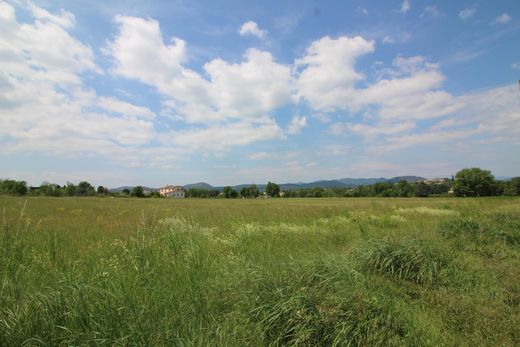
<point x="176" y="192"/>
<point x="438" y="180"/>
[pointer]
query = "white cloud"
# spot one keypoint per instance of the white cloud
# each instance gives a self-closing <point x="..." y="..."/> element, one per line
<point x="125" y="108"/>
<point x="465" y="56"/>
<point x="45" y="106"/>
<point x="297" y="124"/>
<point x="139" y="52"/>
<point x="249" y="90"/>
<point x="404" y="95"/>
<point x="259" y="156"/>
<point x="472" y="117"/>
<point x="370" y="131"/>
<point x="251" y="28"/>
<point x="435" y="137"/>
<point x="328" y="82"/>
<point x="233" y="104"/>
<point x="388" y="39"/>
<point x="402" y="37"/>
<point x="252" y="88"/>
<point x="515" y="65"/>
<point x="405" y="6"/>
<point x="327" y="76"/>
<point x="64" y="19"/>
<point x="502" y="104"/>
<point x="409" y="92"/>
<point x="432" y="11"/>
<point x="25" y="50"/>
<point x="221" y="137"/>
<point x="467" y="13"/>
<point x="504" y="18"/>
<point x="7" y="11"/>
<point x="322" y="117"/>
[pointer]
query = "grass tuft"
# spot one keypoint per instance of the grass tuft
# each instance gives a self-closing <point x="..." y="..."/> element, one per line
<point x="410" y="260"/>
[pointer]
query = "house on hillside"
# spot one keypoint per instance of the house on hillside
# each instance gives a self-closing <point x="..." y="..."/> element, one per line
<point x="176" y="192"/>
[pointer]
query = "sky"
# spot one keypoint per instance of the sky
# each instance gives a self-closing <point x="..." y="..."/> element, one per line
<point x="229" y="92"/>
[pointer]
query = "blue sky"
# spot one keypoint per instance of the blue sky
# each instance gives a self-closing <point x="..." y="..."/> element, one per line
<point x="176" y="92"/>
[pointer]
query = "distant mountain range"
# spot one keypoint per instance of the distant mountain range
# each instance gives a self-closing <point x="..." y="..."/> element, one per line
<point x="340" y="183"/>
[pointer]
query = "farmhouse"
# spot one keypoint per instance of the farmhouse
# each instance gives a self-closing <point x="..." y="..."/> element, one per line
<point x="173" y="192"/>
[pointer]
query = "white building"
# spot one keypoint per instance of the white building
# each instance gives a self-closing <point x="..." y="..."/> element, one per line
<point x="176" y="192"/>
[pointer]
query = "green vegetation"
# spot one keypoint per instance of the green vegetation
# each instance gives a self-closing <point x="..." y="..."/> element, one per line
<point x="272" y="190"/>
<point x="138" y="192"/>
<point x="329" y="272"/>
<point x="250" y="192"/>
<point x="13" y="187"/>
<point x="468" y="182"/>
<point x="474" y="182"/>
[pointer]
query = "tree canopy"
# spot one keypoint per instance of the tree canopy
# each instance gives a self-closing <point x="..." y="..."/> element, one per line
<point x="272" y="189"/>
<point x="138" y="192"/>
<point x="13" y="187"/>
<point x="474" y="182"/>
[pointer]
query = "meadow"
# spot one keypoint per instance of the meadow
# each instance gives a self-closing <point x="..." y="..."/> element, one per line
<point x="255" y="272"/>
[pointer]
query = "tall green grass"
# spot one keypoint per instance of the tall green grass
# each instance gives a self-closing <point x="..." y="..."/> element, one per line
<point x="345" y="275"/>
<point x="411" y="260"/>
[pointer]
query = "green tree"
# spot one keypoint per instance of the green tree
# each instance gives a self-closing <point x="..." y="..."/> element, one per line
<point x="383" y="189"/>
<point x="515" y="184"/>
<point x="404" y="189"/>
<point x="21" y="188"/>
<point x="272" y="189"/>
<point x="511" y="187"/>
<point x="249" y="192"/>
<point x="138" y="192"/>
<point x="202" y="193"/>
<point x="49" y="189"/>
<point x="125" y="191"/>
<point x="422" y="189"/>
<point x="85" y="189"/>
<point x="70" y="189"/>
<point x="155" y="194"/>
<point x="229" y="193"/>
<point x="13" y="187"/>
<point x="474" y="182"/>
<point x="253" y="191"/>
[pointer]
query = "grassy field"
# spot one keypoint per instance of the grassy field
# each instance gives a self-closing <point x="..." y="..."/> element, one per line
<point x="331" y="272"/>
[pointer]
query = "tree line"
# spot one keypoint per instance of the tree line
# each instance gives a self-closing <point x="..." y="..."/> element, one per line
<point x="83" y="188"/>
<point x="467" y="182"/>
